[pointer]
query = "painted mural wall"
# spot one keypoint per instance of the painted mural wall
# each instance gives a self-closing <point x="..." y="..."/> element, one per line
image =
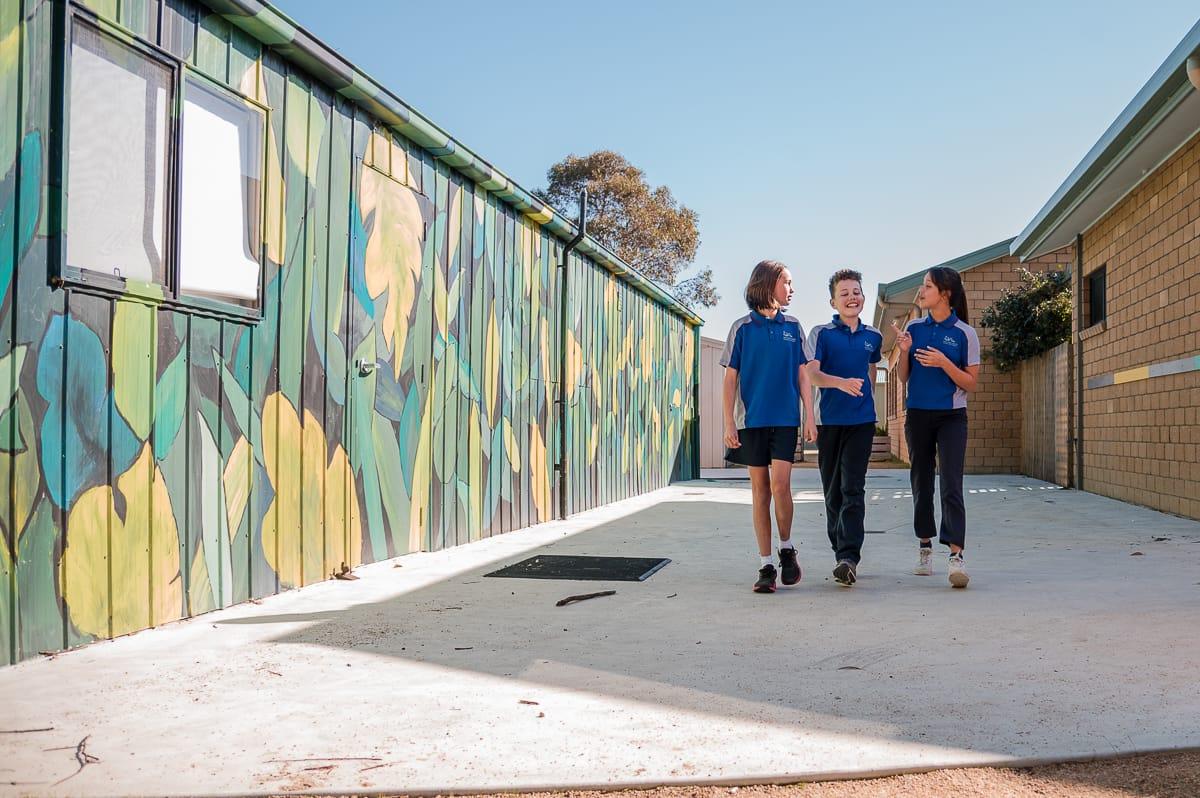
<point x="398" y="394"/>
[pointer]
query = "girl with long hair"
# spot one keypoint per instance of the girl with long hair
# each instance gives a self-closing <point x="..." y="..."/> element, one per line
<point x="939" y="359"/>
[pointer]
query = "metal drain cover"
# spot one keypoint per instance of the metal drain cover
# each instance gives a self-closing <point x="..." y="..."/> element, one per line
<point x="583" y="568"/>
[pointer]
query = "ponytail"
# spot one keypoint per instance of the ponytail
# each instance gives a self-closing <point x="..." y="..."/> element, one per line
<point x="949" y="280"/>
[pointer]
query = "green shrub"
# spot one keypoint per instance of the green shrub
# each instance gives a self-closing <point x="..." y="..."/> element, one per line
<point x="1030" y="318"/>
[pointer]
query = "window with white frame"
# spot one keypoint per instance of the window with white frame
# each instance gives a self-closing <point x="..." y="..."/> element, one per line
<point x="220" y="195"/>
<point x="149" y="199"/>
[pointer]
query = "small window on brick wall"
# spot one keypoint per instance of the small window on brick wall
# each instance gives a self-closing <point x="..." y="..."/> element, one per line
<point x="1096" y="296"/>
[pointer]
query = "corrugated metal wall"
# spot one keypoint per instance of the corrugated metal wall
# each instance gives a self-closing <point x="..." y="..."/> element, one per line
<point x="161" y="461"/>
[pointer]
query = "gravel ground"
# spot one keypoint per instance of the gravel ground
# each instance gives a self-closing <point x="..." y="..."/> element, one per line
<point x="1174" y="775"/>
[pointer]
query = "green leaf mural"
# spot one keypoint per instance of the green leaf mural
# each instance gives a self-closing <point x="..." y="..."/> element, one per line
<point x="25" y="198"/>
<point x="214" y="521"/>
<point x="170" y="401"/>
<point x="37" y="597"/>
<point x="164" y="459"/>
<point x="395" y="229"/>
<point x="133" y="347"/>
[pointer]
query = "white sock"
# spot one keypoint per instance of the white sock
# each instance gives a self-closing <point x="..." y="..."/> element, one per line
<point x="768" y="560"/>
<point x="787" y="544"/>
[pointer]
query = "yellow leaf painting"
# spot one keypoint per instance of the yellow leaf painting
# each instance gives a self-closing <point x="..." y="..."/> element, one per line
<point x="492" y="372"/>
<point x="320" y="492"/>
<point x="510" y="446"/>
<point x="237" y="478"/>
<point x="539" y="474"/>
<point x="392" y="217"/>
<point x="146" y="532"/>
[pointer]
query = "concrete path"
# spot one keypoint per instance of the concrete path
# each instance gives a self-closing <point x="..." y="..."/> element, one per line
<point x="1077" y="636"/>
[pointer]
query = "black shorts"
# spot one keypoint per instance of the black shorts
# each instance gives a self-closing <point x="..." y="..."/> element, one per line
<point x="761" y="445"/>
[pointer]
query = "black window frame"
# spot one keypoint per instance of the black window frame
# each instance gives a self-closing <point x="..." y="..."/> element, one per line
<point x="64" y="275"/>
<point x="1096" y="282"/>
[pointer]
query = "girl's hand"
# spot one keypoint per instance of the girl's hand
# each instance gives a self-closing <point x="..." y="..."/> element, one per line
<point x="731" y="438"/>
<point x="903" y="338"/>
<point x="810" y="430"/>
<point x="934" y="358"/>
<point x="851" y="385"/>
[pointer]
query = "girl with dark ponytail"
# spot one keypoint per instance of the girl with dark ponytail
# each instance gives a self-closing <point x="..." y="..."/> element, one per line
<point x="939" y="359"/>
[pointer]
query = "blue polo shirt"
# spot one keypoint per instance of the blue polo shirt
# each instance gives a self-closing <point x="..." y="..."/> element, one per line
<point x="767" y="355"/>
<point x="843" y="352"/>
<point x="930" y="388"/>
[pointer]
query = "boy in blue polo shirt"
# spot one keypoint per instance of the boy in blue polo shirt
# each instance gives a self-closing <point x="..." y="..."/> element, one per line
<point x="765" y="384"/>
<point x="842" y="366"/>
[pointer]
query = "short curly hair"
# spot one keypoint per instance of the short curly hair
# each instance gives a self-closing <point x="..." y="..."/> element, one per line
<point x="843" y="274"/>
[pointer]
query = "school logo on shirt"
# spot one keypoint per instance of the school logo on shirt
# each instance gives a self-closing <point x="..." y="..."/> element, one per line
<point x="789" y="336"/>
<point x="867" y="345"/>
<point x="950" y="341"/>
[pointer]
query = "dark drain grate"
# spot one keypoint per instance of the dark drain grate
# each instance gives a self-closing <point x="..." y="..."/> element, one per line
<point x="874" y="531"/>
<point x="608" y="569"/>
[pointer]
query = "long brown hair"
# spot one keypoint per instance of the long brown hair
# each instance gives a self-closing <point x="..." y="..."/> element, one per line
<point x="946" y="279"/>
<point x="760" y="291"/>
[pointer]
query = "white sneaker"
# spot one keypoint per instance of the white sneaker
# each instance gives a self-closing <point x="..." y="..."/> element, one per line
<point x="924" y="563"/>
<point x="958" y="572"/>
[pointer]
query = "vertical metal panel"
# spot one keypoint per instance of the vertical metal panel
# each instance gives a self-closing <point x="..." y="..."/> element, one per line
<point x="212" y="46"/>
<point x="341" y="545"/>
<point x="313" y="392"/>
<point x="462" y="367"/>
<point x="494" y="304"/>
<point x="476" y="454"/>
<point x="520" y="417"/>
<point x="237" y="456"/>
<point x="504" y="311"/>
<point x="264" y="351"/>
<point x="202" y="525"/>
<point x="178" y="33"/>
<point x="141" y="17"/>
<point x="244" y="53"/>
<point x="11" y="135"/>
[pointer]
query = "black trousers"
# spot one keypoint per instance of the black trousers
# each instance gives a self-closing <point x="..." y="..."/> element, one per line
<point x="843" y="452"/>
<point x="938" y="437"/>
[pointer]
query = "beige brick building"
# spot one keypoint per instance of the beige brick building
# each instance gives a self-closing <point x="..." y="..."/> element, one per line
<point x="994" y="409"/>
<point x="1132" y="206"/>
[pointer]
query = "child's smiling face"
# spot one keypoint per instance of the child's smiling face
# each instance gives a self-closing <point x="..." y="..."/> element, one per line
<point x="783" y="289"/>
<point x="848" y="298"/>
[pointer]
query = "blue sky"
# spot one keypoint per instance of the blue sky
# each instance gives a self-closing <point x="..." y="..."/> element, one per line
<point x="882" y="136"/>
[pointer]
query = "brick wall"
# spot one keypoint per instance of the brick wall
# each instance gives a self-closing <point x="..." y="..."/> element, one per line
<point x="994" y="409"/>
<point x="1141" y="439"/>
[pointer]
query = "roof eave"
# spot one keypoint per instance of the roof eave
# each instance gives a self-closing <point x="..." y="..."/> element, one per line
<point x="275" y="29"/>
<point x="1158" y="96"/>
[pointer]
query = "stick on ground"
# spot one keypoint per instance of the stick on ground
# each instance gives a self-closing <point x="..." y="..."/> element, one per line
<point x="583" y="597"/>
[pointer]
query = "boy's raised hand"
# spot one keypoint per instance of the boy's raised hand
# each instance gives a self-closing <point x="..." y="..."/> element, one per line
<point x="903" y="337"/>
<point x="851" y="385"/>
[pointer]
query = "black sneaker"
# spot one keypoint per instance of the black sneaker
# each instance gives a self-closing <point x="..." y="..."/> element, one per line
<point x="766" y="580"/>
<point x="789" y="566"/>
<point x="844" y="574"/>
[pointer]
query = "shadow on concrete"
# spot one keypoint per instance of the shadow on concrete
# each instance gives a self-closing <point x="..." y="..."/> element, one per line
<point x="1033" y="659"/>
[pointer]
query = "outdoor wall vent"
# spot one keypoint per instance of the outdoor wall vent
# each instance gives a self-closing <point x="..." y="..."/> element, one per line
<point x="1193" y="70"/>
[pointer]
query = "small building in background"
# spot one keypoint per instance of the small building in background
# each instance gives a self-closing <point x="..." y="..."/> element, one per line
<point x="994" y="410"/>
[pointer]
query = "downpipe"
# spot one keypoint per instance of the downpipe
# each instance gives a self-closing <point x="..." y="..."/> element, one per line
<point x="563" y="271"/>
